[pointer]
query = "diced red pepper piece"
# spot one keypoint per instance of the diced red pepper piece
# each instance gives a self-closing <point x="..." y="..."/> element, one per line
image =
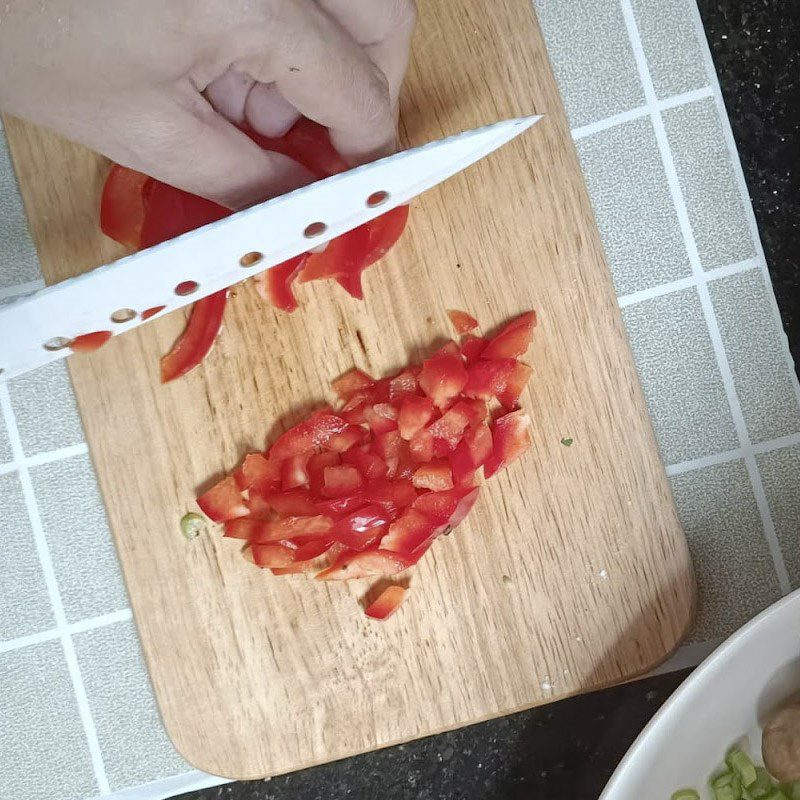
<point x="384" y="231"/>
<point x="312" y="549"/>
<point x="371" y="466"/>
<point x="89" y="342"/>
<point x="260" y="473"/>
<point x="442" y="378"/>
<point x="411" y="531"/>
<point x="462" y="322"/>
<point x="387" y="446"/>
<point x="340" y="258"/>
<point x="514" y="339"/>
<point x="515" y="383"/>
<point x="223" y="501"/>
<point x="350" y="383"/>
<point x="351" y="436"/>
<point x="511" y="437"/>
<point x="339" y="506"/>
<point x="472" y="452"/>
<point x="403" y="384"/>
<point x="381" y="417"/>
<point x="415" y="413"/>
<point x="472" y="347"/>
<point x="448" y="508"/>
<point x="259" y="508"/>
<point x="311" y="434"/>
<point x="291" y="528"/>
<point x="275" y="284"/>
<point x="489" y="379"/>
<point x="438" y="477"/>
<point x="294" y="471"/>
<point x="361" y="528"/>
<point x="341" y="481"/>
<point x="316" y="469"/>
<point x="421" y="447"/>
<point x="242" y="527"/>
<point x="367" y="563"/>
<point x="272" y="555"/>
<point x="294" y="503"/>
<point x="392" y="495"/>
<point x="451" y="425"/>
<point x="387" y="602"/>
<point x="197" y="339"/>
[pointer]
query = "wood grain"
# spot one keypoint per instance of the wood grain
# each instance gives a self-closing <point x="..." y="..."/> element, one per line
<point x="571" y="573"/>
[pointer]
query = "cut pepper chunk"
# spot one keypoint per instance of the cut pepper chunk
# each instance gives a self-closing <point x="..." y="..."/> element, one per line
<point x="313" y="433"/>
<point x="511" y="438"/>
<point x="514" y="339"/>
<point x="366" y="563"/>
<point x="442" y="378"/>
<point x="386" y="603"/>
<point x="341" y="481"/>
<point x="275" y="284"/>
<point x="223" y="501"/>
<point x="415" y="413"/>
<point x="89" y="342"/>
<point x="258" y="473"/>
<point x="462" y="322"/>
<point x="292" y="528"/>
<point x="411" y="531"/>
<point x="433" y="476"/>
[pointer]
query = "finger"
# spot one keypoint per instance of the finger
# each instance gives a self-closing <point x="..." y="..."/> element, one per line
<point x="328" y="77"/>
<point x="268" y="112"/>
<point x="228" y="95"/>
<point x="384" y="28"/>
<point x="177" y="137"/>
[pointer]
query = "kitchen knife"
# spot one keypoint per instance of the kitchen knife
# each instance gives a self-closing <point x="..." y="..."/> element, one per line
<point x="37" y="328"/>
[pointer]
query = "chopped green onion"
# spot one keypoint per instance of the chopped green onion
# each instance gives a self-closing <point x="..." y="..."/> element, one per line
<point x="775" y="794"/>
<point x="685" y="794"/>
<point x="727" y="786"/>
<point x="191" y="525"/>
<point x="566" y="441"/>
<point x="740" y="763"/>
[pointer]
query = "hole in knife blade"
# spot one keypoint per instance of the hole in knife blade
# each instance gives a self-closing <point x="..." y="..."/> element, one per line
<point x="251" y="259"/>
<point x="315" y="229"/>
<point x="377" y="199"/>
<point x="123" y="315"/>
<point x="56" y="343"/>
<point x="186" y="287"/>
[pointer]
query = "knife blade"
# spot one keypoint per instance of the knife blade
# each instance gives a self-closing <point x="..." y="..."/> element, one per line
<point x="37" y="328"/>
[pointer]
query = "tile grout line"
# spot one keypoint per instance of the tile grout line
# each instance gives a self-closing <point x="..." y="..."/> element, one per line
<point x="687" y="283"/>
<point x="53" y="592"/>
<point x="46" y="457"/>
<point x="21" y="288"/>
<point x="89" y="624"/>
<point x="606" y="123"/>
<point x="744" y="193"/>
<point x="705" y="298"/>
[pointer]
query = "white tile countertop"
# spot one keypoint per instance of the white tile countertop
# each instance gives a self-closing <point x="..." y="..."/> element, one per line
<point x="77" y="716"/>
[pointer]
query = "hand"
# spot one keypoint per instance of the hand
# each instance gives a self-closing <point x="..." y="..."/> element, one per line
<point x="157" y="85"/>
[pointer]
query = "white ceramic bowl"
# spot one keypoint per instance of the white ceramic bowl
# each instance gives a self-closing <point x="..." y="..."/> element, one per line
<point x="722" y="703"/>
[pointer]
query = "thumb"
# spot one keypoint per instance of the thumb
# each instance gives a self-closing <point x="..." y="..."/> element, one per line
<point x="179" y="139"/>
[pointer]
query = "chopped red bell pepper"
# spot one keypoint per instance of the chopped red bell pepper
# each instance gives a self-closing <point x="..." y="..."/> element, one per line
<point x="489" y="379"/>
<point x="514" y="339"/>
<point x="272" y="555"/>
<point x="415" y="413"/>
<point x="449" y="507"/>
<point x="263" y="475"/>
<point x="437" y="477"/>
<point x="122" y="206"/>
<point x="361" y="528"/>
<point x="291" y="528"/>
<point x="366" y="563"/>
<point x="350" y="383"/>
<point x="411" y="531"/>
<point x="422" y="447"/>
<point x="386" y="603"/>
<point x="341" y="481"/>
<point x="313" y="433"/>
<point x="223" y="501"/>
<point x="392" y="495"/>
<point x="197" y="339"/>
<point x="511" y="436"/>
<point x="462" y="322"/>
<point x="294" y="471"/>
<point x="275" y="284"/>
<point x="294" y="503"/>
<point x="371" y="466"/>
<point x="443" y="377"/>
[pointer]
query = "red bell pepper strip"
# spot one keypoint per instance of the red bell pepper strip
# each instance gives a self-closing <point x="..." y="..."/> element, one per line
<point x="386" y="603"/>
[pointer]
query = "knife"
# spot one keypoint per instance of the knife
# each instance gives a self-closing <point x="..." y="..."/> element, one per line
<point x="37" y="328"/>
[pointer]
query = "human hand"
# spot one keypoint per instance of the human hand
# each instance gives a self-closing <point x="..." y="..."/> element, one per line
<point x="156" y="85"/>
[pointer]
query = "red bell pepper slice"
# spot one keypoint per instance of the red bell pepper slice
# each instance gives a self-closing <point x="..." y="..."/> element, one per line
<point x="381" y="418"/>
<point x="422" y="447"/>
<point x="311" y="434"/>
<point x="511" y="437"/>
<point x="342" y="256"/>
<point x="223" y="501"/>
<point x="89" y="342"/>
<point x="340" y="506"/>
<point x="489" y="379"/>
<point x="442" y="378"/>
<point x="272" y="555"/>
<point x="384" y="231"/>
<point x="275" y="284"/>
<point x="294" y="503"/>
<point x="403" y="385"/>
<point x="291" y="528"/>
<point x="462" y="322"/>
<point x="317" y="464"/>
<point x="122" y="206"/>
<point x="450" y="507"/>
<point x="367" y="563"/>
<point x="517" y="380"/>
<point x="392" y="495"/>
<point x="294" y="471"/>
<point x="371" y="466"/>
<point x="514" y="339"/>
<point x="361" y="528"/>
<point x="197" y="338"/>
<point x="472" y="347"/>
<point x="386" y="603"/>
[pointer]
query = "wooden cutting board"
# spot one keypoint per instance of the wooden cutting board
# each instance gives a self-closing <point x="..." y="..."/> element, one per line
<point x="572" y="571"/>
